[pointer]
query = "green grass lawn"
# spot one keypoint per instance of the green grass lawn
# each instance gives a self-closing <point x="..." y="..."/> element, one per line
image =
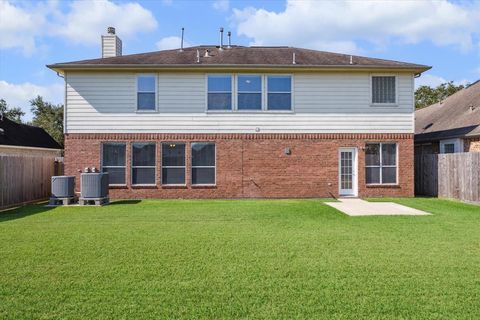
<point x="276" y="259"/>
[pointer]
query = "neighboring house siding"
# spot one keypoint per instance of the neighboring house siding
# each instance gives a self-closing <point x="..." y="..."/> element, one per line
<point x="323" y="103"/>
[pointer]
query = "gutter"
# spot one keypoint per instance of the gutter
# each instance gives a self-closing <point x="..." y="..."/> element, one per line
<point x="60" y="67"/>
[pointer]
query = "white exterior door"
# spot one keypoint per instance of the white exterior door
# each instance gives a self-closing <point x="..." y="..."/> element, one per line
<point x="347" y="172"/>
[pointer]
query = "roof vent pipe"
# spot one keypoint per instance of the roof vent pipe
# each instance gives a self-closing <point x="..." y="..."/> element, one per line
<point x="181" y="42"/>
<point x="198" y="56"/>
<point x="229" y="35"/>
<point x="293" y="59"/>
<point x="221" y="38"/>
<point x="207" y="53"/>
<point x="351" y="59"/>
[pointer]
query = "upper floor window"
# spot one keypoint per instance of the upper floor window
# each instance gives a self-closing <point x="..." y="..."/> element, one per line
<point x="219" y="92"/>
<point x="249" y="92"/>
<point x="146" y="92"/>
<point x="113" y="162"/>
<point x="279" y="95"/>
<point x="383" y="90"/>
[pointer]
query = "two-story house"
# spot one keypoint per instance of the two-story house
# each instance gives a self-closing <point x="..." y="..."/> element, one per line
<point x="241" y="122"/>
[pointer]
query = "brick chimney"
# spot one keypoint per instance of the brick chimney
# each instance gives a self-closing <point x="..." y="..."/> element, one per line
<point x="111" y="44"/>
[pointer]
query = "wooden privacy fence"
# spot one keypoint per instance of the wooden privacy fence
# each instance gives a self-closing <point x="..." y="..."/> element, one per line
<point x="25" y="178"/>
<point x="453" y="175"/>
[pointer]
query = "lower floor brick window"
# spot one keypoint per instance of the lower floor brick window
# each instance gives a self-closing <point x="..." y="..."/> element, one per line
<point x="173" y="163"/>
<point x="381" y="163"/>
<point x="143" y="163"/>
<point x="113" y="162"/>
<point x="203" y="163"/>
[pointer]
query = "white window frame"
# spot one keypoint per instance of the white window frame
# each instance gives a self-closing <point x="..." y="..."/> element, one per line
<point x="124" y="167"/>
<point x="291" y="92"/>
<point x="380" y="166"/>
<point x="234" y="93"/>
<point x="395" y="104"/>
<point x="458" y="145"/>
<point x="143" y="167"/>
<point x="214" y="167"/>
<point x="173" y="167"/>
<point x="154" y="75"/>
<point x="232" y="76"/>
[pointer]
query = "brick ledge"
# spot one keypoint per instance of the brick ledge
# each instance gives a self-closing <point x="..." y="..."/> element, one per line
<point x="238" y="136"/>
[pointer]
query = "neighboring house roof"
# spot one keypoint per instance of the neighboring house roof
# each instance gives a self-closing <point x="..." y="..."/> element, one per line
<point x="22" y="135"/>
<point x="456" y="116"/>
<point x="239" y="56"/>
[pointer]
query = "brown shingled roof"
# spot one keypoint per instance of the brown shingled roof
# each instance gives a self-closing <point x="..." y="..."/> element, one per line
<point x="241" y="56"/>
<point x="456" y="116"/>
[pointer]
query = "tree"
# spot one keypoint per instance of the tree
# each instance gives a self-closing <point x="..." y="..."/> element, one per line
<point x="14" y="114"/>
<point x="49" y="117"/>
<point x="425" y="95"/>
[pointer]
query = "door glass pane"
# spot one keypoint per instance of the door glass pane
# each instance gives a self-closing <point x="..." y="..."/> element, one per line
<point x="346" y="170"/>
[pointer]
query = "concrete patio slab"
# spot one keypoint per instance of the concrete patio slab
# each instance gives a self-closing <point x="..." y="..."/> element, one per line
<point x="359" y="207"/>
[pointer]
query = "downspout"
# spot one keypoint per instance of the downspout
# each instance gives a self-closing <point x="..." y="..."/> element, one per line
<point x="64" y="105"/>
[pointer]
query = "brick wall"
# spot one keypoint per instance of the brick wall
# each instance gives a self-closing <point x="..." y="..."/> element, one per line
<point x="254" y="165"/>
<point x="471" y="144"/>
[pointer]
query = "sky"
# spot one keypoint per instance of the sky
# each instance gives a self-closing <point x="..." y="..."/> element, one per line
<point x="443" y="34"/>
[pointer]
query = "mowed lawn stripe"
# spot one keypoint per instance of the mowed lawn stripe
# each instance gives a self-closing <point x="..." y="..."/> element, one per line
<point x="272" y="259"/>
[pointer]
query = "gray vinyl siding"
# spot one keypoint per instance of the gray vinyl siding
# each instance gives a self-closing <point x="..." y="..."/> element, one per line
<point x="350" y="93"/>
<point x="323" y="103"/>
<point x="181" y="93"/>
